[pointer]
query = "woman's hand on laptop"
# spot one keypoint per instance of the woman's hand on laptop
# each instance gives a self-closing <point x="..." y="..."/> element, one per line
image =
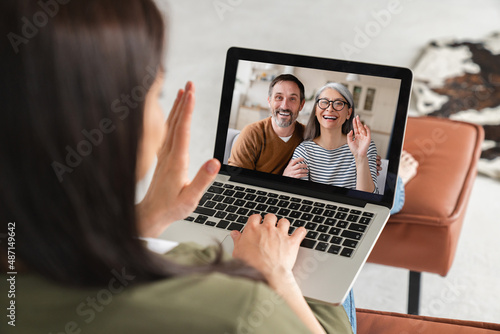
<point x="267" y="247"/>
<point x="171" y="195"/>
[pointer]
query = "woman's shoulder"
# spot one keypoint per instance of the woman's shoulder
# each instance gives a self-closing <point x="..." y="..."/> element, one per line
<point x="215" y="302"/>
<point x="306" y="144"/>
<point x="196" y="295"/>
<point x="208" y="303"/>
<point x="303" y="149"/>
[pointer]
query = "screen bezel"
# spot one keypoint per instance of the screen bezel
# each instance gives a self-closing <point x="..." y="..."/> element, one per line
<point x="309" y="188"/>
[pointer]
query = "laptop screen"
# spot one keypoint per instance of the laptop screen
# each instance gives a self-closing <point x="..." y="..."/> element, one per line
<point x="379" y="93"/>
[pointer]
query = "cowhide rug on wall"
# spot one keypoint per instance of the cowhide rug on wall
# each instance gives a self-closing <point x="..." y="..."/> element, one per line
<point x="461" y="80"/>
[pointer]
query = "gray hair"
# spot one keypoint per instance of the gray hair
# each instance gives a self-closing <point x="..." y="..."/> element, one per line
<point x="339" y="88"/>
<point x="312" y="128"/>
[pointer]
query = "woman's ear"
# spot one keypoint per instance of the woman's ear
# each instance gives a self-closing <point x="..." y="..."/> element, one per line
<point x="349" y="113"/>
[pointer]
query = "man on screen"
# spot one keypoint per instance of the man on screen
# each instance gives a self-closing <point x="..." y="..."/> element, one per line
<point x="268" y="145"/>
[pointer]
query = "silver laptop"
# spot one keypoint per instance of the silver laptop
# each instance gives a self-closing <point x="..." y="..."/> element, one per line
<point x="343" y="224"/>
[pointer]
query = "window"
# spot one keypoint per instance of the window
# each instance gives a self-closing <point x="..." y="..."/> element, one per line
<point x="370" y="96"/>
<point x="356" y="95"/>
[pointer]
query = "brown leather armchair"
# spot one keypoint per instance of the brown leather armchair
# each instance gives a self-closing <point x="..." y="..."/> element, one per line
<point x="376" y="322"/>
<point x="423" y="236"/>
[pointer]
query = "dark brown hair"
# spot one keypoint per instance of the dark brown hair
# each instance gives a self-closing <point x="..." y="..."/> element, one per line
<point x="74" y="80"/>
<point x="287" y="77"/>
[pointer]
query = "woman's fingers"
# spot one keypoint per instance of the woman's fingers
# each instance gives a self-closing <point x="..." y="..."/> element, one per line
<point x="191" y="193"/>
<point x="350" y="136"/>
<point x="180" y="140"/>
<point x="367" y="131"/>
<point x="169" y="123"/>
<point x="300" y="169"/>
<point x="360" y="131"/>
<point x="358" y="127"/>
<point x="269" y="220"/>
<point x="235" y="235"/>
<point x="283" y="225"/>
<point x="298" y="235"/>
<point x="297" y="162"/>
<point x="179" y="119"/>
<point x="180" y="92"/>
<point x="254" y="220"/>
<point x="355" y="126"/>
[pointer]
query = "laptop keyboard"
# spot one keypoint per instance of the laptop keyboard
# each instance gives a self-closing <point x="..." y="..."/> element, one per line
<point x="330" y="228"/>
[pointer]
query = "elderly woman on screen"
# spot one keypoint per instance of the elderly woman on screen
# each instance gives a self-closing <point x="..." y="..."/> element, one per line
<point x="337" y="149"/>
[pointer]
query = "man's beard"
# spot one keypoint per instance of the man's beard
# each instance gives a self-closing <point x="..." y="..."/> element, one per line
<point x="283" y="123"/>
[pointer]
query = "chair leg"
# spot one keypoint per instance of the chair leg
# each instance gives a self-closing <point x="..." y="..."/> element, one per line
<point x="414" y="292"/>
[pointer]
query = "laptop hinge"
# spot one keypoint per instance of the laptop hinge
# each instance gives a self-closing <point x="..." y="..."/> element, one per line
<point x="280" y="186"/>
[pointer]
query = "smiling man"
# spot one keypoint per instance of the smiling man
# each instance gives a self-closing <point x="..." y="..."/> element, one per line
<point x="268" y="145"/>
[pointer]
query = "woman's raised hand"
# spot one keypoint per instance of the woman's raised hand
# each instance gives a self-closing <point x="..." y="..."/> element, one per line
<point x="359" y="139"/>
<point x="171" y="195"/>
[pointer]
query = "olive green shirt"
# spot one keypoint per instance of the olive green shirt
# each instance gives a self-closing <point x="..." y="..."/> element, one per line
<point x="201" y="303"/>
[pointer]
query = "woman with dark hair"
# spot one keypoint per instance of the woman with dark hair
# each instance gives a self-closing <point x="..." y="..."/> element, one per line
<point x="337" y="149"/>
<point x="80" y="125"/>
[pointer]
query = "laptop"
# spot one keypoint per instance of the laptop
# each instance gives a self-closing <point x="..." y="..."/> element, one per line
<point x="343" y="224"/>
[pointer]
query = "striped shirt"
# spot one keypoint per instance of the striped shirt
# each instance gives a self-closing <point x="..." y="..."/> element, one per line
<point x="334" y="167"/>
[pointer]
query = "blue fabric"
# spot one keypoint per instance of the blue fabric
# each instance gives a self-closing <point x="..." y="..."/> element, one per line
<point x="399" y="201"/>
<point x="350" y="309"/>
<point x="399" y="197"/>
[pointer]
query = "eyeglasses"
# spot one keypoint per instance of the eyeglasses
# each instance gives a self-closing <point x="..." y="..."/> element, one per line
<point x="337" y="104"/>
